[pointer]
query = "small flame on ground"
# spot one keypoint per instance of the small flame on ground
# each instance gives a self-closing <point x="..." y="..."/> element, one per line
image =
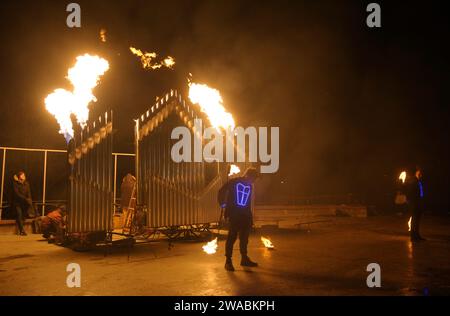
<point x="409" y="224"/>
<point x="402" y="176"/>
<point x="267" y="243"/>
<point x="234" y="170"/>
<point x="147" y="59"/>
<point x="84" y="76"/>
<point x="211" y="247"/>
<point x="211" y="103"/>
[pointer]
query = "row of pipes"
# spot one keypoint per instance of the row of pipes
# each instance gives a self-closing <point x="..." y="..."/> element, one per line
<point x="91" y="177"/>
<point x="175" y="194"/>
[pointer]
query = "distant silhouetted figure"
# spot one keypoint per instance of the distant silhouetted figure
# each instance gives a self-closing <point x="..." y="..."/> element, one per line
<point x="236" y="196"/>
<point x="416" y="201"/>
<point x="22" y="202"/>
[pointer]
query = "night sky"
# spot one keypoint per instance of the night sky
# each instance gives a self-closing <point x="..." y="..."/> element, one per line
<point x="354" y="105"/>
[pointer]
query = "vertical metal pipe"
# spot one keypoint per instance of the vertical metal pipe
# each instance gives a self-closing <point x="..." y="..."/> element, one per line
<point x="71" y="185"/>
<point x="166" y="178"/>
<point x="111" y="203"/>
<point x="97" y="190"/>
<point x="137" y="157"/>
<point x="115" y="183"/>
<point x="171" y="182"/>
<point x="3" y="182"/>
<point x="44" y="183"/>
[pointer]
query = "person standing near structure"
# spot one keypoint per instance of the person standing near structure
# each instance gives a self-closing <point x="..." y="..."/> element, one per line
<point x="22" y="202"/>
<point x="416" y="201"/>
<point x="236" y="196"/>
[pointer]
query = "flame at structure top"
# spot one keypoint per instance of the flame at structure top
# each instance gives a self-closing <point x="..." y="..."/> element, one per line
<point x="84" y="76"/>
<point x="402" y="176"/>
<point x="409" y="224"/>
<point x="147" y="60"/>
<point x="211" y="103"/>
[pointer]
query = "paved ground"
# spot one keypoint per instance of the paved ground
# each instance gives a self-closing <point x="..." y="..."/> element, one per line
<point x="328" y="260"/>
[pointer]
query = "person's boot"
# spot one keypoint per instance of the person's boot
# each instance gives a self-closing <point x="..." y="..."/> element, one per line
<point x="229" y="265"/>
<point x="414" y="238"/>
<point x="246" y="262"/>
<point x="420" y="237"/>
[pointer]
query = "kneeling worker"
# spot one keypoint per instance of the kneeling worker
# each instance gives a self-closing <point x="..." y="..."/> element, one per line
<point x="236" y="196"/>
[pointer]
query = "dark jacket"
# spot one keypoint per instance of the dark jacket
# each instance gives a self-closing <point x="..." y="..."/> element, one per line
<point x="237" y="194"/>
<point x="21" y="193"/>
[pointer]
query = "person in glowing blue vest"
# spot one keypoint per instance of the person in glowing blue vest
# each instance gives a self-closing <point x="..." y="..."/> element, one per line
<point x="416" y="202"/>
<point x="235" y="197"/>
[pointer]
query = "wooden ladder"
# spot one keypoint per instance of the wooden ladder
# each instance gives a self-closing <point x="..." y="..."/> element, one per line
<point x="131" y="210"/>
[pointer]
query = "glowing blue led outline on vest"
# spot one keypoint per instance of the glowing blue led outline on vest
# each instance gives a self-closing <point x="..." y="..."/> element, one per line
<point x="421" y="188"/>
<point x="242" y="194"/>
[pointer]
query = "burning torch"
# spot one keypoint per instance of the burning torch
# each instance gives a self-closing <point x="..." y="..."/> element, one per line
<point x="402" y="177"/>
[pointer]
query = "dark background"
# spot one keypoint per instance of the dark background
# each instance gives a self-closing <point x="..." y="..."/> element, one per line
<point x="355" y="105"/>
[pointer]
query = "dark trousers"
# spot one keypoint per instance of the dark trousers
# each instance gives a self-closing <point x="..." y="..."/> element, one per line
<point x="19" y="217"/>
<point x="242" y="228"/>
<point x="417" y="212"/>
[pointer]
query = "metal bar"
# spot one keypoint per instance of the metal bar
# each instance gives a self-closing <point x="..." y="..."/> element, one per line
<point x="55" y="150"/>
<point x="3" y="182"/>
<point x="44" y="183"/>
<point x="115" y="183"/>
<point x="136" y="164"/>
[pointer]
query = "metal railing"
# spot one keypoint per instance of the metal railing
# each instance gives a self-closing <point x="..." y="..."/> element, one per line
<point x="42" y="201"/>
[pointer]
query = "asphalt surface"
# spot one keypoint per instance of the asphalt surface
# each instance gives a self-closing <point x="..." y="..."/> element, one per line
<point x="329" y="259"/>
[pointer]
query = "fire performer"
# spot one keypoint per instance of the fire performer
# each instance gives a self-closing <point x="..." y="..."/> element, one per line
<point x="416" y="204"/>
<point x="22" y="202"/>
<point x="235" y="196"/>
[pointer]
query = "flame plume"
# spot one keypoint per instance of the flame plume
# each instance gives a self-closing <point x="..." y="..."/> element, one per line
<point x="84" y="76"/>
<point x="147" y="60"/>
<point x="211" y="103"/>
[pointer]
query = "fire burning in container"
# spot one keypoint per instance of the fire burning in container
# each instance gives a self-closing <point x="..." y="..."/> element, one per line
<point x="409" y="224"/>
<point x="148" y="60"/>
<point x="267" y="243"/>
<point x="402" y="176"/>
<point x="84" y="77"/>
<point x="211" y="103"/>
<point x="234" y="170"/>
<point x="211" y="247"/>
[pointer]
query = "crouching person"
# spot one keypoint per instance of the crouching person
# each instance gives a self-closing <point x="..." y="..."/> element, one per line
<point x="53" y="225"/>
